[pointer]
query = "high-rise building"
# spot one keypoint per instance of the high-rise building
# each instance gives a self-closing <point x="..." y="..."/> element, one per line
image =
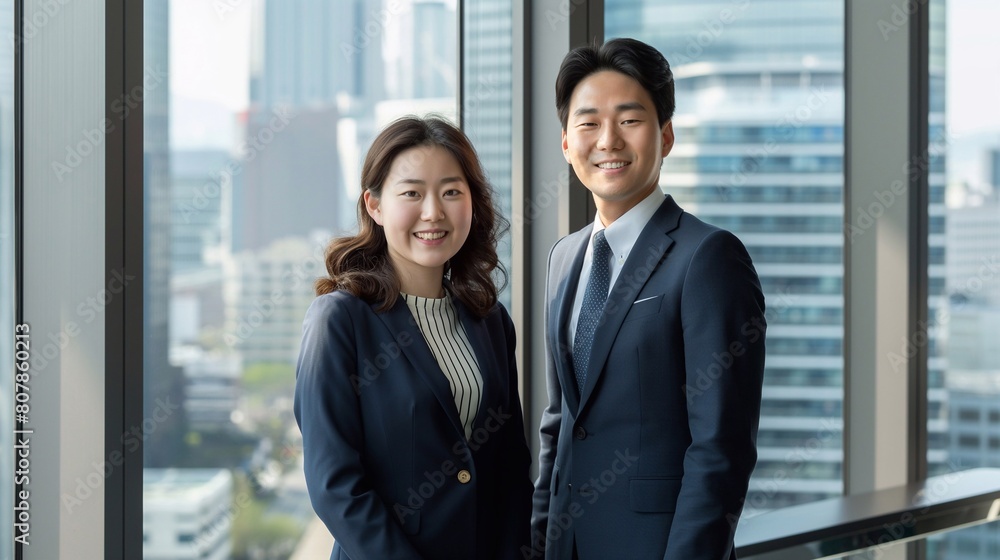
<point x="163" y="445"/>
<point x="199" y="182"/>
<point x="993" y="169"/>
<point x="974" y="441"/>
<point x="759" y="150"/>
<point x="267" y="293"/>
<point x="486" y="101"/>
<point x="433" y="59"/>
<point x="187" y="514"/>
<point x="311" y="51"/>
<point x="315" y="63"/>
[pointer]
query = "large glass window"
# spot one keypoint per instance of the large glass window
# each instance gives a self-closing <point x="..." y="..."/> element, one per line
<point x="759" y="151"/>
<point x="257" y="116"/>
<point x="964" y="300"/>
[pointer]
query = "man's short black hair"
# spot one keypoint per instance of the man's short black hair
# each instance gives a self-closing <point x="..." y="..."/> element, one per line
<point x="630" y="57"/>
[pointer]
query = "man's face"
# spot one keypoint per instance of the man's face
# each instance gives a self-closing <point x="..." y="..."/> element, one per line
<point x="614" y="141"/>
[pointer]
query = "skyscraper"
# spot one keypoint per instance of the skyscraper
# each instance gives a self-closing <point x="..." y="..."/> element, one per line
<point x="162" y="445"/>
<point x="486" y="100"/>
<point x="759" y="151"/>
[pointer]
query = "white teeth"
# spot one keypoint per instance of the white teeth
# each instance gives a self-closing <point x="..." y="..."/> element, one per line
<point x="431" y="236"/>
<point x="612" y="165"/>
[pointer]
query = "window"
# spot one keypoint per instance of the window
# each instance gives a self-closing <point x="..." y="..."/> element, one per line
<point x="759" y="151"/>
<point x="257" y="117"/>
<point x="964" y="303"/>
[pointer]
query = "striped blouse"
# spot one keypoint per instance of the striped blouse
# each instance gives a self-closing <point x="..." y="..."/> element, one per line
<point x="446" y="337"/>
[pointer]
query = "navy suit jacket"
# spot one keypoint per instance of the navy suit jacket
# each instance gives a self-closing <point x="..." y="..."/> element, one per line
<point x="387" y="464"/>
<point x="653" y="459"/>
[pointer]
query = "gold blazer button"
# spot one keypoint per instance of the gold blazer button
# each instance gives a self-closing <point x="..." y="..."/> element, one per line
<point x="464" y="476"/>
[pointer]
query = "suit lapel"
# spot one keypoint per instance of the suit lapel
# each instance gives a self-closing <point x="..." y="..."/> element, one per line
<point x="475" y="329"/>
<point x="559" y="321"/>
<point x="643" y="259"/>
<point x="403" y="326"/>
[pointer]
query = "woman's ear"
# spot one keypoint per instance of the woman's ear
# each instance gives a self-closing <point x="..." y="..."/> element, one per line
<point x="372" y="205"/>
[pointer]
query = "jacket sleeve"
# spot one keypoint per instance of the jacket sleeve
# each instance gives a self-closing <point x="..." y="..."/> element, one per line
<point x="327" y="409"/>
<point x="722" y="311"/>
<point x="548" y="436"/>
<point x="516" y="486"/>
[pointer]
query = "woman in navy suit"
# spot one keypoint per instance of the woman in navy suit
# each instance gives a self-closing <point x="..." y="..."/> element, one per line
<point x="406" y="387"/>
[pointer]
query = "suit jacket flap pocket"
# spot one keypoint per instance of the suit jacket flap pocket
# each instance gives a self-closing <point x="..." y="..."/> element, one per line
<point x="654" y="494"/>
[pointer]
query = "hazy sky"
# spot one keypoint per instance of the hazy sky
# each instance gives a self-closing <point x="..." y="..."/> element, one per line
<point x="210" y="63"/>
<point x="973" y="66"/>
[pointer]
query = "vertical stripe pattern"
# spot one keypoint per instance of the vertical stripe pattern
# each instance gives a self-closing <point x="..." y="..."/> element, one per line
<point x="449" y="343"/>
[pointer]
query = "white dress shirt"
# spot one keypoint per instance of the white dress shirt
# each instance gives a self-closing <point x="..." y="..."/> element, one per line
<point x="621" y="236"/>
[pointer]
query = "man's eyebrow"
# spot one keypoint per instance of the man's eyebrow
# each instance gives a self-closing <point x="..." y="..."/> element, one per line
<point x="630" y="106"/>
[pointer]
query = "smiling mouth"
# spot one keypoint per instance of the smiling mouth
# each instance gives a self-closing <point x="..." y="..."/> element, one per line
<point x="431" y="236"/>
<point x="613" y="164"/>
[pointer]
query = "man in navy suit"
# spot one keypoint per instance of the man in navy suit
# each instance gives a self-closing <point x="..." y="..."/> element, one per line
<point x="654" y="337"/>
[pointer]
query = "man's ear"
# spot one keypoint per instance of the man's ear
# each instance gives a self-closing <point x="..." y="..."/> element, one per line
<point x="565" y="146"/>
<point x="668" y="137"/>
<point x="372" y="205"/>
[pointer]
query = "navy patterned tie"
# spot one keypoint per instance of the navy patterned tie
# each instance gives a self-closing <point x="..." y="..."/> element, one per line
<point x="593" y="306"/>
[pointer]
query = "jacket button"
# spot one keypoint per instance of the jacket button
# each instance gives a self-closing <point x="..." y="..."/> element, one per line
<point x="464" y="476"/>
<point x="580" y="433"/>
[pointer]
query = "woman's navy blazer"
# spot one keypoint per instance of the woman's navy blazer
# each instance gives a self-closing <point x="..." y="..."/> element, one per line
<point x="387" y="462"/>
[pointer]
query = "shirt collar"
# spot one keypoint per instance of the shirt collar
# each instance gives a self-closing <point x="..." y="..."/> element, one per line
<point x="623" y="232"/>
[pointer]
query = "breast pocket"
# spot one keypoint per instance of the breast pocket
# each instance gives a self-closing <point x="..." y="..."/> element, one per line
<point x="644" y="307"/>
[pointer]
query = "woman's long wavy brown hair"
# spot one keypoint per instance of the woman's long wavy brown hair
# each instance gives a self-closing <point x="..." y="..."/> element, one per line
<point x="360" y="264"/>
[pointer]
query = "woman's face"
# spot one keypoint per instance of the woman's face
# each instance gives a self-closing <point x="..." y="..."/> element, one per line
<point x="425" y="210"/>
